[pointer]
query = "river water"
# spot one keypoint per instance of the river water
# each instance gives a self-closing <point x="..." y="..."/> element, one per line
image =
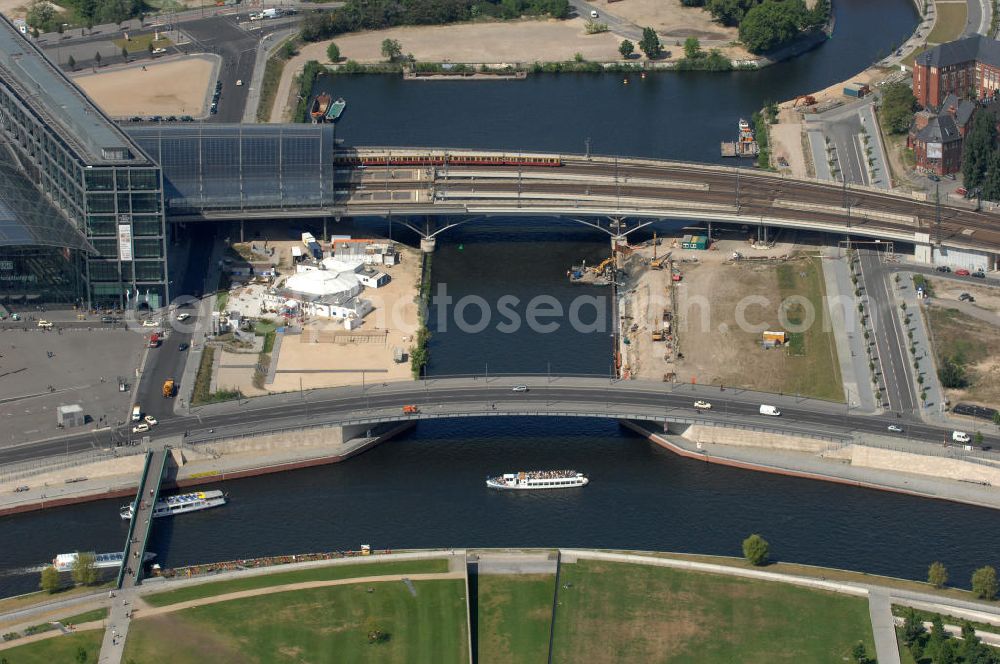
<point x="426" y="488"/>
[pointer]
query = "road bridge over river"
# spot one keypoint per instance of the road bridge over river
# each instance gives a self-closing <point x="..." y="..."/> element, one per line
<point x="460" y="185"/>
<point x="477" y="396"/>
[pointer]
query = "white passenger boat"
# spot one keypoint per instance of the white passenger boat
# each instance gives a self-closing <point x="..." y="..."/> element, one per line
<point x="538" y="479"/>
<point x="65" y="562"/>
<point x="180" y="504"/>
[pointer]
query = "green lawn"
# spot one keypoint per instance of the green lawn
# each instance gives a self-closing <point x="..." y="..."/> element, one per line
<point x="613" y="612"/>
<point x="813" y="369"/>
<point x="950" y="23"/>
<point x="87" y="616"/>
<point x="514" y="617"/>
<point x="56" y="650"/>
<point x="329" y="573"/>
<point x="318" y="625"/>
<point x="141" y="43"/>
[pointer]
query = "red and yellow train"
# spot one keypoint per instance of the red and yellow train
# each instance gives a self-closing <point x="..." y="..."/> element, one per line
<point x="443" y="157"/>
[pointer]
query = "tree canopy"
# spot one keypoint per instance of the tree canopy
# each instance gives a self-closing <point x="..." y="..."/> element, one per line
<point x="650" y="44"/>
<point x="772" y="24"/>
<point x="756" y="550"/>
<point x="85" y="569"/>
<point x="898" y="104"/>
<point x="978" y="152"/>
<point x="984" y="582"/>
<point x="937" y="574"/>
<point x="626" y="48"/>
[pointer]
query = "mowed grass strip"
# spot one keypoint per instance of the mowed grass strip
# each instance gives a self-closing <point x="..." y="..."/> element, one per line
<point x="514" y="617"/>
<point x="329" y="573"/>
<point x="813" y="367"/>
<point x="950" y="22"/>
<point x="318" y="625"/>
<point x="614" y="612"/>
<point x="57" y="649"/>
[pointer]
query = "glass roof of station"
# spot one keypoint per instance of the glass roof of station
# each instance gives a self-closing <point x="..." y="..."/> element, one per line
<point x="241" y="166"/>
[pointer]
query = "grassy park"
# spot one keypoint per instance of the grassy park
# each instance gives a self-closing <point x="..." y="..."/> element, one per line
<point x="514" y="617"/>
<point x="317" y="625"/>
<point x="950" y="22"/>
<point x="327" y="573"/>
<point x="613" y="612"/>
<point x="57" y="650"/>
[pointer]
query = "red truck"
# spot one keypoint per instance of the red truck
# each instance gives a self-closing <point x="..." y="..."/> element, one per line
<point x="154" y="340"/>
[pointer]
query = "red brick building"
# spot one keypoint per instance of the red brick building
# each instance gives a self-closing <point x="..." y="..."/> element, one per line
<point x="936" y="137"/>
<point x="967" y="67"/>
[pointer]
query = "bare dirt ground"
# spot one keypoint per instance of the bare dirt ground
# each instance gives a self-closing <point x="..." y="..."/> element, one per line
<point x="169" y="87"/>
<point x="947" y="289"/>
<point x="786" y="142"/>
<point x="977" y="343"/>
<point x="19" y="8"/>
<point x="717" y="302"/>
<point x="672" y="20"/>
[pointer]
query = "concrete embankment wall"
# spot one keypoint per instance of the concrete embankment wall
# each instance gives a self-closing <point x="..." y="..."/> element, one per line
<point x="906" y="462"/>
<point x="190" y="466"/>
<point x="738" y="437"/>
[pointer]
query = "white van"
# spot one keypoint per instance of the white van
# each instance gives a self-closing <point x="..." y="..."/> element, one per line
<point x="593" y="13"/>
<point x="136" y="413"/>
<point x="769" y="410"/>
<point x="960" y="437"/>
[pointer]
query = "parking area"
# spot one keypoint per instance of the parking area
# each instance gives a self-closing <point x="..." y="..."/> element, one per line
<point x="41" y="370"/>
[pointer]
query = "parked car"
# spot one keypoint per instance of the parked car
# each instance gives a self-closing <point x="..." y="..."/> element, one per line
<point x="962" y="272"/>
<point x="965" y="297"/>
<point x="45" y="325"/>
<point x="519" y="388"/>
<point x="159" y="51"/>
<point x="933" y="178"/>
<point x="702" y="405"/>
<point x="961" y="191"/>
<point x="895" y="428"/>
<point x="943" y="268"/>
<point x="979" y="274"/>
<point x="22" y="489"/>
<point x="593" y="13"/>
<point x="149" y="322"/>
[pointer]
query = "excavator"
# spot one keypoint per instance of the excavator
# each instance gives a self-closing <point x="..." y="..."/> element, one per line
<point x="603" y="264"/>
<point x="806" y="100"/>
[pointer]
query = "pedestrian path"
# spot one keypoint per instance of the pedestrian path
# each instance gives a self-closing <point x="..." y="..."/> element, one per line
<point x="883" y="627"/>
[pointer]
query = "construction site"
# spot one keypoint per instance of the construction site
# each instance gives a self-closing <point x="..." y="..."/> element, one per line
<point x="728" y="311"/>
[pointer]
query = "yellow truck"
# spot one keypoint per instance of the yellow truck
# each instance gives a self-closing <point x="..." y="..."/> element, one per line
<point x="168" y="388"/>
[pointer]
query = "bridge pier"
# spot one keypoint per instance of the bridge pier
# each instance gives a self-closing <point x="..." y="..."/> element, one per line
<point x="427" y="244"/>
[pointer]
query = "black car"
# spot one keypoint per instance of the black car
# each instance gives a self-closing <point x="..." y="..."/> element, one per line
<point x="943" y="268"/>
<point x="979" y="275"/>
<point x="107" y="319"/>
<point x="182" y="347"/>
<point x="933" y="178"/>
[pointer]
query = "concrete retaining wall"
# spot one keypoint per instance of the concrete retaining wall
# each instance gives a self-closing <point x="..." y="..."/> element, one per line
<point x="740" y="438"/>
<point x="906" y="462"/>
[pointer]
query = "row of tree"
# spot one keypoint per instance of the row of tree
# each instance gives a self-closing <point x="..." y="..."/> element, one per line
<point x="42" y="14"/>
<point x="984" y="579"/>
<point x="357" y="15"/>
<point x="980" y="156"/>
<point x="939" y="647"/>
<point x="766" y="25"/>
<point x="84" y="573"/>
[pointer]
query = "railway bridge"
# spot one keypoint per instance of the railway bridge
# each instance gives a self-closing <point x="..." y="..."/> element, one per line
<point x="432" y="190"/>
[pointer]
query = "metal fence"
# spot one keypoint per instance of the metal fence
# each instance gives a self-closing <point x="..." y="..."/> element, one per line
<point x="13" y="472"/>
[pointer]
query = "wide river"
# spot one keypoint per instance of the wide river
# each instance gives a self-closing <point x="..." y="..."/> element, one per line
<point x="426" y="489"/>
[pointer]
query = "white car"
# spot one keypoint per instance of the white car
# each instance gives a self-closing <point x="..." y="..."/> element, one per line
<point x="140" y="428"/>
<point x="150" y="420"/>
<point x="45" y="325"/>
<point x="960" y="437"/>
<point x="149" y="322"/>
<point x="183" y="317"/>
<point x="702" y="405"/>
<point x="895" y="428"/>
<point x="159" y="51"/>
<point x="593" y="13"/>
<point x="239" y="81"/>
<point x="519" y="388"/>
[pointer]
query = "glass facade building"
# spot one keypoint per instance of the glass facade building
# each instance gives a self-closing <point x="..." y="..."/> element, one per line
<point x="81" y="204"/>
<point x="220" y="167"/>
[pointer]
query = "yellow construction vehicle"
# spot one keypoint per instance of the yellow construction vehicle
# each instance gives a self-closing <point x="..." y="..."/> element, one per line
<point x="603" y="264"/>
<point x="168" y="388"/>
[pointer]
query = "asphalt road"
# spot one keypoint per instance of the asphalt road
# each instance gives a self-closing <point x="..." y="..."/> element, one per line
<point x="597" y="398"/>
<point x="168" y="360"/>
<point x="893" y="361"/>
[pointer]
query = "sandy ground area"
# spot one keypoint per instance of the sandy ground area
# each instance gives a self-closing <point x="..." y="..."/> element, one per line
<point x="170" y="87"/>
<point x="947" y="289"/>
<point x="786" y="143"/>
<point x="672" y="20"/>
<point x="713" y="297"/>
<point x="19" y="8"/>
